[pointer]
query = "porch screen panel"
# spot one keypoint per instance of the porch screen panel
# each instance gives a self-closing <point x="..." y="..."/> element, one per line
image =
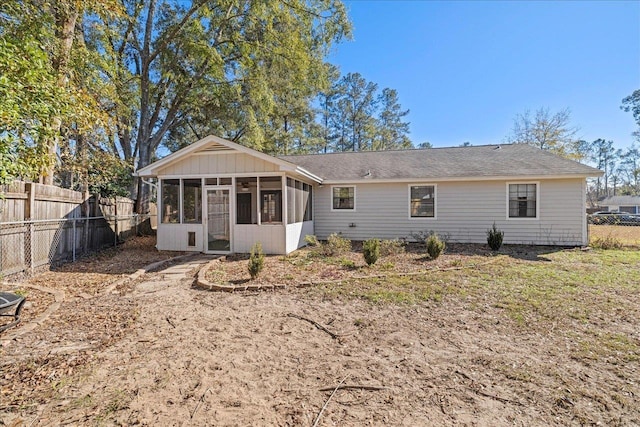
<point x="170" y="201"/>
<point x="271" y="206"/>
<point x="308" y="202"/>
<point x="192" y="201"/>
<point x="271" y="199"/>
<point x="299" y="202"/>
<point x="246" y="200"/>
<point x="291" y="201"/>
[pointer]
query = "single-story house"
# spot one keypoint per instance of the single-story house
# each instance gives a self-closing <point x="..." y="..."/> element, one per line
<point x="628" y="204"/>
<point x="216" y="196"/>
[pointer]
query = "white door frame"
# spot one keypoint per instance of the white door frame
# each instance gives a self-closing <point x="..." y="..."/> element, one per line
<point x="205" y="222"/>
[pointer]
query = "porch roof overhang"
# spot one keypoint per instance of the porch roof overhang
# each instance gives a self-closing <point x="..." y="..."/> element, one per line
<point x="213" y="144"/>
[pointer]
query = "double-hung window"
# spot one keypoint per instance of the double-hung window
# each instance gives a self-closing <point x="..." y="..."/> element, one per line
<point x="344" y="198"/>
<point x="422" y="201"/>
<point x="523" y="200"/>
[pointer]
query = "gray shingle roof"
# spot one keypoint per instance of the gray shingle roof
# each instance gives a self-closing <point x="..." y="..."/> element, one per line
<point x="620" y="201"/>
<point x="483" y="161"/>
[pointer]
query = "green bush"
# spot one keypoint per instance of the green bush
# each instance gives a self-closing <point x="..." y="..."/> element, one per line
<point x="371" y="251"/>
<point x="311" y="240"/>
<point x="336" y="245"/>
<point x="435" y="246"/>
<point x="256" y="260"/>
<point x="391" y="247"/>
<point x="421" y="237"/>
<point x="494" y="237"/>
<point x="347" y="263"/>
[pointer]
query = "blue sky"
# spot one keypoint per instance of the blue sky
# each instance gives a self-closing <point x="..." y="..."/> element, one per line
<point x="465" y="69"/>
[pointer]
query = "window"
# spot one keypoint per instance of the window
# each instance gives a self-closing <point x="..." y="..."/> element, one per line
<point x="422" y="202"/>
<point x="170" y="201"/>
<point x="191" y="201"/>
<point x="344" y="198"/>
<point x="523" y="200"/>
<point x="271" y="206"/>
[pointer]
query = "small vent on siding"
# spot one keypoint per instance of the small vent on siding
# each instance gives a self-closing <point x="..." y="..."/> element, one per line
<point x="191" y="238"/>
<point x="214" y="147"/>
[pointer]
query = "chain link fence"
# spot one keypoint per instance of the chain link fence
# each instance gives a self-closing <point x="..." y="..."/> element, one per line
<point x="26" y="246"/>
<point x="619" y="227"/>
<point x="614" y="218"/>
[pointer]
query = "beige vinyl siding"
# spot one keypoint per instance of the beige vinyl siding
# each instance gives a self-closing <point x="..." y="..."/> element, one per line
<point x="464" y="211"/>
<point x="211" y="164"/>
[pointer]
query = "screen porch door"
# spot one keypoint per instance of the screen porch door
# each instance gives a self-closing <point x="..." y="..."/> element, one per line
<point x="218" y="221"/>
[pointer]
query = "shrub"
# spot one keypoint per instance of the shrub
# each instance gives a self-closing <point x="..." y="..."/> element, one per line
<point x="421" y="237"/>
<point x="336" y="245"/>
<point x="371" y="251"/>
<point x="494" y="237"/>
<point x="435" y="246"/>
<point x="391" y="247"/>
<point x="311" y="240"/>
<point x="608" y="242"/>
<point x="256" y="260"/>
<point x="347" y="263"/>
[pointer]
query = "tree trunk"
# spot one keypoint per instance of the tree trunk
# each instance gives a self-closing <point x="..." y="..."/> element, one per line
<point x="66" y="15"/>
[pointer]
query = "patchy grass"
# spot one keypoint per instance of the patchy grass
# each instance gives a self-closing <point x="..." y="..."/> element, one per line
<point x="589" y="291"/>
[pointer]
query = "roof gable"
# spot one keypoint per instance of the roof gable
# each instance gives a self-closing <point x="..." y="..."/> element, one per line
<point x="215" y="145"/>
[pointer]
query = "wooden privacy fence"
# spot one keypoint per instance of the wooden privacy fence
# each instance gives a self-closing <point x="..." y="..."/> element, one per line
<point x="42" y="225"/>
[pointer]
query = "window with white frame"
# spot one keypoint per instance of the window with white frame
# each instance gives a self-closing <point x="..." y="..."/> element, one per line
<point x="523" y="200"/>
<point x="344" y="198"/>
<point x="422" y="203"/>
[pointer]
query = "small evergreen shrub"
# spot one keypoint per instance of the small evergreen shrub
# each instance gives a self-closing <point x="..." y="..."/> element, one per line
<point x="256" y="260"/>
<point x="311" y="240"/>
<point x="336" y="245"/>
<point x="391" y="247"/>
<point x="371" y="251"/>
<point x="421" y="237"/>
<point x="435" y="246"/>
<point x="494" y="237"/>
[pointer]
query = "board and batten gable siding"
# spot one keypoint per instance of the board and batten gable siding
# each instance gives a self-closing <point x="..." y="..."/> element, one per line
<point x="210" y="164"/>
<point x="464" y="212"/>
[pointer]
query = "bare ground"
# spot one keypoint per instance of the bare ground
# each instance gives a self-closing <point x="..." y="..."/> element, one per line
<point x="175" y="355"/>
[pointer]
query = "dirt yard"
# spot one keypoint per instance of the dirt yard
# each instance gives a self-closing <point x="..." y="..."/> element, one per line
<point x="520" y="339"/>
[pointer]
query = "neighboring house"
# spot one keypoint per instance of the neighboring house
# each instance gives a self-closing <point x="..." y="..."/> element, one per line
<point x="216" y="196"/>
<point x="628" y="204"/>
